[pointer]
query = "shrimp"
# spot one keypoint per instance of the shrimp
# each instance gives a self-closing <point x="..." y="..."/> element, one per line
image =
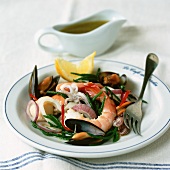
<point x="80" y="85"/>
<point x="59" y="98"/>
<point x="105" y="120"/>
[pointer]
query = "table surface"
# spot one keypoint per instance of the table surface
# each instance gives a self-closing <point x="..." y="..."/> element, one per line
<point x="146" y="30"/>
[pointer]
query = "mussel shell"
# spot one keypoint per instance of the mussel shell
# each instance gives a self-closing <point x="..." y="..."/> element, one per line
<point x="84" y="142"/>
<point x="54" y="83"/>
<point x="123" y="79"/>
<point x="56" y="79"/>
<point x="39" y="90"/>
<point x="48" y="84"/>
<point x="33" y="84"/>
<point x="104" y="74"/>
<point x="83" y="126"/>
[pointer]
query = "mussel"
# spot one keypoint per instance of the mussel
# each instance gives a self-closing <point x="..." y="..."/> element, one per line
<point x="112" y="79"/>
<point x="37" y="90"/>
<point x="33" y="84"/>
<point x="78" y="126"/>
<point x="48" y="84"/>
<point x="84" y="142"/>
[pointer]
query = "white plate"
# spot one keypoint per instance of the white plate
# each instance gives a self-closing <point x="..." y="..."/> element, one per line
<point x="155" y="122"/>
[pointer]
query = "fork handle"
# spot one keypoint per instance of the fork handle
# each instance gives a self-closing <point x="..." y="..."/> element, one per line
<point x="151" y="63"/>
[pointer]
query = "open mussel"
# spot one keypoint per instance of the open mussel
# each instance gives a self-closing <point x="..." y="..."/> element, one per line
<point x="81" y="129"/>
<point x="33" y="84"/>
<point x="84" y="142"/>
<point x="48" y="84"/>
<point x="38" y="90"/>
<point x="112" y="79"/>
<point x="78" y="125"/>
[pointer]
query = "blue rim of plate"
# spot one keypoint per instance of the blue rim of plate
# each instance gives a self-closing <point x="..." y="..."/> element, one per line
<point x="162" y="131"/>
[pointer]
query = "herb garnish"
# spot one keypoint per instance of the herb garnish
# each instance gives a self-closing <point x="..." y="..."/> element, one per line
<point x="66" y="135"/>
<point x="59" y="93"/>
<point x="87" y="77"/>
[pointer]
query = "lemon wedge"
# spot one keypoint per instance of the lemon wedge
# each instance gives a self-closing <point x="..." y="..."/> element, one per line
<point x="64" y="67"/>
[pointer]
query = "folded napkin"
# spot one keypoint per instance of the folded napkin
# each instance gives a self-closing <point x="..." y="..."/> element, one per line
<point x="42" y="160"/>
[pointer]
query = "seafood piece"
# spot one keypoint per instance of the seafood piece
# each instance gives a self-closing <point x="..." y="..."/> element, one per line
<point x="33" y="85"/>
<point x="46" y="106"/>
<point x="80" y="85"/>
<point x="123" y="129"/>
<point x="80" y="136"/>
<point x="112" y="79"/>
<point x="105" y="120"/>
<point x="84" y="142"/>
<point x="59" y="98"/>
<point x="48" y="83"/>
<point x="37" y="90"/>
<point x="83" y="138"/>
<point x="123" y="79"/>
<point x="118" y="121"/>
<point x="83" y="126"/>
<point x="71" y="90"/>
<point x="45" y="84"/>
<point x="70" y="113"/>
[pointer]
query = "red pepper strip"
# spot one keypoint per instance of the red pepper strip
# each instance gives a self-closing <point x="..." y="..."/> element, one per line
<point x="33" y="97"/>
<point x="125" y="96"/>
<point x="62" y="118"/>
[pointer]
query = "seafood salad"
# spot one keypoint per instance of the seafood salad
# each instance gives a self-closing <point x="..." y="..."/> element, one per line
<point x="87" y="111"/>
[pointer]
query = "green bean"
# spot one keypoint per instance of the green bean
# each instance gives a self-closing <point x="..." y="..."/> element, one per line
<point x="90" y="101"/>
<point x="112" y="94"/>
<point x="97" y="95"/>
<point x="116" y="137"/>
<point x="55" y="120"/>
<point x="59" y="93"/>
<point x="102" y="105"/>
<point x="63" y="135"/>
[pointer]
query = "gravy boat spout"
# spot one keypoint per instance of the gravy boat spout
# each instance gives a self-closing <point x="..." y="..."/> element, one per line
<point x="88" y="37"/>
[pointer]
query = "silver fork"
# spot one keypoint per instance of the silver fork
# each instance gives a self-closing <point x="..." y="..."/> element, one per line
<point x="133" y="114"/>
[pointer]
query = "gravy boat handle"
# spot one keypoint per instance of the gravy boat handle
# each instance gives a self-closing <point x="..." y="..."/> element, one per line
<point x="47" y="31"/>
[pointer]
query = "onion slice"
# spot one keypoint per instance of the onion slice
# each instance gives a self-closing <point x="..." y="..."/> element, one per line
<point x="86" y="110"/>
<point x="47" y="128"/>
<point x="34" y="114"/>
<point x="117" y="91"/>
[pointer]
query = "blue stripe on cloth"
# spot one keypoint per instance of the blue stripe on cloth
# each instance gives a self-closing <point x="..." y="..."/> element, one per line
<point x="31" y="157"/>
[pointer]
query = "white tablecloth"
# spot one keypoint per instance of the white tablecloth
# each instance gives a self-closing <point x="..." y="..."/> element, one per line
<point x="147" y="30"/>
